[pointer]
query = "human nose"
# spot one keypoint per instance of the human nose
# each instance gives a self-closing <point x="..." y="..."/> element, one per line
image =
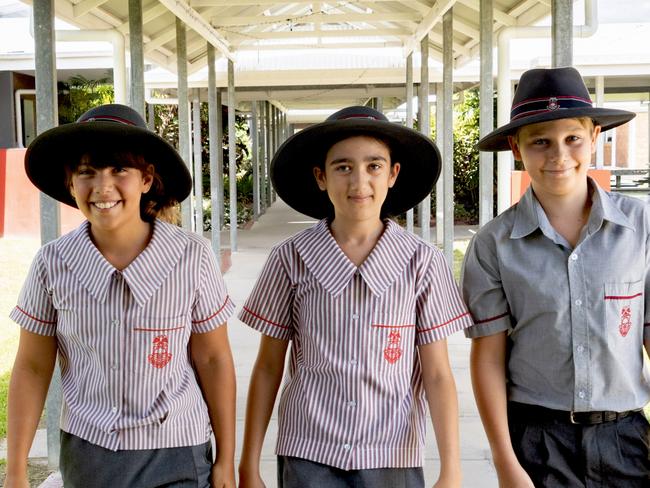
<point x="559" y="152"/>
<point x="359" y="177"/>
<point x="104" y="182"/>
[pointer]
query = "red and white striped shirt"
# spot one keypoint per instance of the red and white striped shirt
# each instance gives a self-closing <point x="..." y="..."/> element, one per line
<point x="123" y="337"/>
<point x="353" y="397"/>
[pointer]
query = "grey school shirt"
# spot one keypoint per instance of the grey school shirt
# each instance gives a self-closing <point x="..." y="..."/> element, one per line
<point x="576" y="317"/>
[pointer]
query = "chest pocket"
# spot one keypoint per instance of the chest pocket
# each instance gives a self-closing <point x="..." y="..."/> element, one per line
<point x="623" y="309"/>
<point x="159" y="342"/>
<point x="392" y="341"/>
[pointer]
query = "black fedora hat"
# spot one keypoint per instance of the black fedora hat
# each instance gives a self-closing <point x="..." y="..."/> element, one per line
<point x="293" y="163"/>
<point x="110" y="127"/>
<point x="550" y="94"/>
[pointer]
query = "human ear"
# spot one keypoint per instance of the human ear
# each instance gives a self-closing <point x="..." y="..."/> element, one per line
<point x="147" y="178"/>
<point x="394" y="171"/>
<point x="594" y="137"/>
<point x="514" y="146"/>
<point x="319" y="174"/>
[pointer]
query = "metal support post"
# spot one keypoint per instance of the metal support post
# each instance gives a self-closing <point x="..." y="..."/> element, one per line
<point x="136" y="98"/>
<point x="232" y="156"/>
<point x="448" y="135"/>
<point x="46" y="118"/>
<point x="424" y="120"/>
<point x="562" y="32"/>
<point x="440" y="204"/>
<point x="409" y="120"/>
<point x="600" y="143"/>
<point x="183" y="113"/>
<point x="486" y="119"/>
<point x="198" y="164"/>
<point x="214" y="145"/>
<point x="256" y="160"/>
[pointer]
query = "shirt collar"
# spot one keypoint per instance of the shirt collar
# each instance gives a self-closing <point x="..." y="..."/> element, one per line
<point x="144" y="275"/>
<point x="331" y="267"/>
<point x="527" y="218"/>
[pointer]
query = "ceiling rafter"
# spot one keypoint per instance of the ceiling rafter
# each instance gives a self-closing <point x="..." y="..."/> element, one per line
<point x="432" y="18"/>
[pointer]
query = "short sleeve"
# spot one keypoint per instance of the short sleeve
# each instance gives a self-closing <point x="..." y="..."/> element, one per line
<point x="212" y="305"/>
<point x="439" y="307"/>
<point x="35" y="311"/>
<point x="268" y="308"/>
<point x="483" y="291"/>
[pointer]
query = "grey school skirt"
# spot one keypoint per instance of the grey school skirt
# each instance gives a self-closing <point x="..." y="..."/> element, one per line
<point x="85" y="465"/>
<point x="300" y="473"/>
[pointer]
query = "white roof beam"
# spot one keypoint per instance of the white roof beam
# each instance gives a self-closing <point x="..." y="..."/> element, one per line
<point x="160" y="39"/>
<point x="499" y="16"/>
<point x="432" y="18"/>
<point x="147" y="16"/>
<point x="347" y="33"/>
<point x="224" y="3"/>
<point x="196" y="22"/>
<point x="85" y="6"/>
<point x="315" y="18"/>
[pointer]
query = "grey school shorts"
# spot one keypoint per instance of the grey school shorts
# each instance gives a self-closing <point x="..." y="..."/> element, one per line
<point x="300" y="473"/>
<point x="85" y="465"/>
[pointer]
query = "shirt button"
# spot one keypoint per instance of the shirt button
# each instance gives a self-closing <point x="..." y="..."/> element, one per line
<point x="580" y="348"/>
<point x="581" y="394"/>
<point x="114" y="409"/>
<point x="355" y="316"/>
<point x="113" y="366"/>
<point x="347" y="447"/>
<point x="353" y="362"/>
<point x="115" y="322"/>
<point x="352" y="404"/>
<point x="578" y="302"/>
<point x="574" y="257"/>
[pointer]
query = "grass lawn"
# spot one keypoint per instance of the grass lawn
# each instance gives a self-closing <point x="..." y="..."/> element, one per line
<point x="15" y="257"/>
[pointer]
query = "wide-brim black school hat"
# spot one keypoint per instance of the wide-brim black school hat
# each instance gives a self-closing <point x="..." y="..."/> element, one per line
<point x="550" y="94"/>
<point x="292" y="167"/>
<point x="110" y="127"/>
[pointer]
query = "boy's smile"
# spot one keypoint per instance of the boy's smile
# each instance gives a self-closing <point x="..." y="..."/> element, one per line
<point x="556" y="154"/>
<point x="357" y="176"/>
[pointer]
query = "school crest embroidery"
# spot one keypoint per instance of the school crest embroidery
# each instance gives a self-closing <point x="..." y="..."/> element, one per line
<point x="552" y="104"/>
<point x="393" y="350"/>
<point x="626" y="321"/>
<point x="160" y="355"/>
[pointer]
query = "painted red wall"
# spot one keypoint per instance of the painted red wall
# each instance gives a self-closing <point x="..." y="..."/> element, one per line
<point x="20" y="200"/>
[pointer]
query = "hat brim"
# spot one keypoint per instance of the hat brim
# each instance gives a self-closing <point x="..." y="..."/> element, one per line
<point x="53" y="150"/>
<point x="292" y="167"/>
<point x="605" y="117"/>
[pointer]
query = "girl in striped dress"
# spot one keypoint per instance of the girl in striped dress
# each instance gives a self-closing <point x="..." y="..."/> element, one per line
<point x="366" y="308"/>
<point x="134" y="307"/>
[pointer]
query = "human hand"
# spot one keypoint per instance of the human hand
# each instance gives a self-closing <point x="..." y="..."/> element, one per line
<point x="250" y="479"/>
<point x="514" y="476"/>
<point x="448" y="482"/>
<point x="222" y="475"/>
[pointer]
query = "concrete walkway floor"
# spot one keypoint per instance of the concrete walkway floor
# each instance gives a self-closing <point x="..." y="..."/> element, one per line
<point x="254" y="244"/>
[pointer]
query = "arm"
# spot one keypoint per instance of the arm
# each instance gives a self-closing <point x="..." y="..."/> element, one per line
<point x="265" y="381"/>
<point x="215" y="370"/>
<point x="440" y="390"/>
<point x="30" y="380"/>
<point x="488" y="369"/>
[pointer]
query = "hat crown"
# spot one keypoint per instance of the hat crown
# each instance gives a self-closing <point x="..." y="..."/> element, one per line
<point x="113" y="112"/>
<point x="545" y="90"/>
<point x="357" y="112"/>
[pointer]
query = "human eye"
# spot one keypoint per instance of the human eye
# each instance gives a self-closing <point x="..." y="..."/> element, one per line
<point x="84" y="170"/>
<point x="342" y="168"/>
<point x="573" y="138"/>
<point x="120" y="169"/>
<point x="539" y="142"/>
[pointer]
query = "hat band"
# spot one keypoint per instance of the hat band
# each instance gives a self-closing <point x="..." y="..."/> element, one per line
<point x="108" y="118"/>
<point x="536" y="106"/>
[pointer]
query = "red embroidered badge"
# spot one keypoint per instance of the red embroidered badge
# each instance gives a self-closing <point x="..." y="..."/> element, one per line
<point x="626" y="321"/>
<point x="552" y="104"/>
<point x="393" y="351"/>
<point x="160" y="356"/>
